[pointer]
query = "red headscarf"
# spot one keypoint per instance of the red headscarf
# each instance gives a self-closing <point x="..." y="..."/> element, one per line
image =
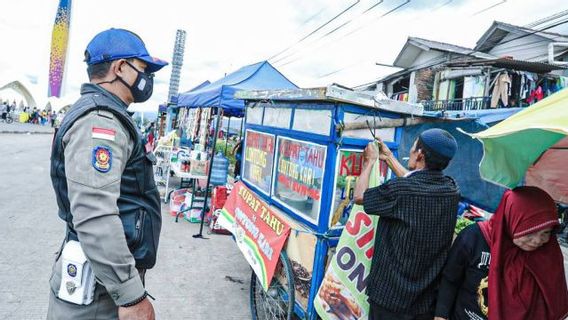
<point x="524" y="285"/>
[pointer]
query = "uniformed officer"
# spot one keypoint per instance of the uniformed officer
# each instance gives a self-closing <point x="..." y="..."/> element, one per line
<point x="103" y="180"/>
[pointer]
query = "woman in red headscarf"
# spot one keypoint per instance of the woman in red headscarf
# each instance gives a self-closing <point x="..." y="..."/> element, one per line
<point x="509" y="267"/>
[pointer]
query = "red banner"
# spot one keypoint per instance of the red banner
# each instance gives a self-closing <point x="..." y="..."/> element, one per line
<point x="260" y="233"/>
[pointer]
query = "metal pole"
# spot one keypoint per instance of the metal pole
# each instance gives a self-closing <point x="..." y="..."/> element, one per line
<point x="200" y="234"/>
<point x="241" y="131"/>
<point x="227" y="136"/>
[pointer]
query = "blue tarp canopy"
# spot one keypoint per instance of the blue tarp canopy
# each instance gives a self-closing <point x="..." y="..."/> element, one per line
<point x="202" y="85"/>
<point x="258" y="76"/>
<point x="483" y="116"/>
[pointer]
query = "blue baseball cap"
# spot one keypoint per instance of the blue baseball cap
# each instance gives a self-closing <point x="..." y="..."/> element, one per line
<point x="114" y="44"/>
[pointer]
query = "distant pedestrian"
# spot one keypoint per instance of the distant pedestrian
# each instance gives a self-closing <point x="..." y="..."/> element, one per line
<point x="53" y="118"/>
<point x="150" y="135"/>
<point x="3" y="110"/>
<point x="43" y="118"/>
<point x="34" y="116"/>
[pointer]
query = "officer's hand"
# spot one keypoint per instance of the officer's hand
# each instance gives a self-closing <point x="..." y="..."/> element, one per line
<point x="140" y="311"/>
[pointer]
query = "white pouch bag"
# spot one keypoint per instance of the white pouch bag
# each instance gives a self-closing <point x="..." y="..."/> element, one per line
<point x="77" y="277"/>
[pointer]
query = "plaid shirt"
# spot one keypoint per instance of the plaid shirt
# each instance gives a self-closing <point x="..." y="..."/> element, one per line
<point x="414" y="234"/>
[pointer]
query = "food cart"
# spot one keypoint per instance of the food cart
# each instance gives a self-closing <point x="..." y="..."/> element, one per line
<point x="302" y="152"/>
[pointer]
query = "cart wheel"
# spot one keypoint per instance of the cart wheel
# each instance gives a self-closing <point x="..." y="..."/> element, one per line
<point x="278" y="301"/>
<point x="9" y="120"/>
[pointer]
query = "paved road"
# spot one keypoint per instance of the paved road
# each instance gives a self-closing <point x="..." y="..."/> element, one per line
<point x="189" y="281"/>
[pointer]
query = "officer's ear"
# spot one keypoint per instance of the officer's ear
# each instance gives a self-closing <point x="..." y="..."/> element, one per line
<point x="116" y="67"/>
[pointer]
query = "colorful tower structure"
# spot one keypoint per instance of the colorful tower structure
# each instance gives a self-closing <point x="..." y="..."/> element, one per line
<point x="59" y="40"/>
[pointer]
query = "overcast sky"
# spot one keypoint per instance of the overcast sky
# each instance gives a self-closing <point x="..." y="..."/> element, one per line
<point x="223" y="35"/>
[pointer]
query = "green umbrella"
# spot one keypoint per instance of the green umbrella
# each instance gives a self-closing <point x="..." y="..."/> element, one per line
<point x="530" y="148"/>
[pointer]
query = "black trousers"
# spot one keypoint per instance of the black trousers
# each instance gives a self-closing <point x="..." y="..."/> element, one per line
<point x="378" y="313"/>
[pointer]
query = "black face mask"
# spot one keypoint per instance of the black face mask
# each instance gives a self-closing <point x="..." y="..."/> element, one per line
<point x="143" y="86"/>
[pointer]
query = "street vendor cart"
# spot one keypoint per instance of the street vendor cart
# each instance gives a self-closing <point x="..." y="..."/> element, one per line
<point x="302" y="152"/>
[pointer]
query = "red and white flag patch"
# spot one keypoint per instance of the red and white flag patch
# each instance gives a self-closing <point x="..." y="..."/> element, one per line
<point x="104" y="134"/>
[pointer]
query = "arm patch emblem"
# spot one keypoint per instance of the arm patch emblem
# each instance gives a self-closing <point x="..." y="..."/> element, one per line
<point x="102" y="159"/>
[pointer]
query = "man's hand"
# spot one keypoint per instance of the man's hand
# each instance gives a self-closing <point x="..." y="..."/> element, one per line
<point x="140" y="311"/>
<point x="439" y="318"/>
<point x="370" y="154"/>
<point x="384" y="151"/>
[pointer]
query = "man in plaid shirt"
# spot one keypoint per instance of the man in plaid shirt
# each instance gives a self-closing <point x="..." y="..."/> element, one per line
<point x="417" y="217"/>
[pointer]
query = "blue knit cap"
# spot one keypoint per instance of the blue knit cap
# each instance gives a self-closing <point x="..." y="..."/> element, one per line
<point x="439" y="142"/>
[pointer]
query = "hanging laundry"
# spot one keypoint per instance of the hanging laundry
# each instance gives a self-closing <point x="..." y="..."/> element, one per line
<point x="473" y="87"/>
<point x="531" y="97"/>
<point x="554" y="87"/>
<point x="545" y="88"/>
<point x="524" y="88"/>
<point x="539" y="93"/>
<point x="501" y="90"/>
<point x="563" y="82"/>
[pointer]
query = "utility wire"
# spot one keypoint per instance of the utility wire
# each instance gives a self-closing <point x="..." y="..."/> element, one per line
<point x="489" y="8"/>
<point x="553" y="26"/>
<point x="441" y="6"/>
<point x="547" y="19"/>
<point x="348" y="22"/>
<point x="335" y="29"/>
<point x="317" y="29"/>
<point x="396" y="8"/>
<point x="368" y="24"/>
<point x="341" y="69"/>
<point x="312" y="17"/>
<point x="364" y="26"/>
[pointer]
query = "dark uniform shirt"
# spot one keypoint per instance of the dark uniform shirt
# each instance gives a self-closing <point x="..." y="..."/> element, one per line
<point x="414" y="233"/>
<point x="463" y="291"/>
